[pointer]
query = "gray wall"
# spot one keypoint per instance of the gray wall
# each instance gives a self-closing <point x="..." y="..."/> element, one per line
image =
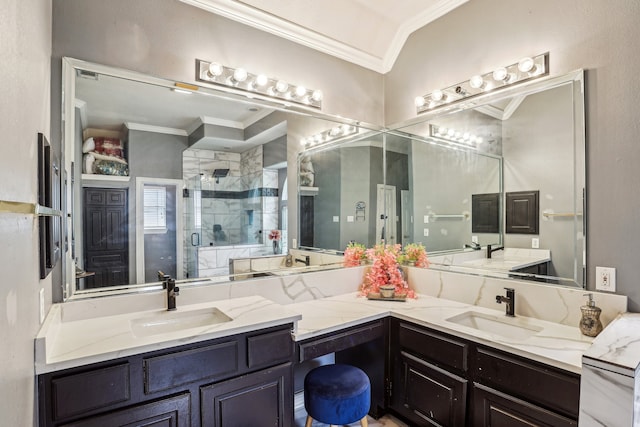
<point x="597" y="35"/>
<point x="25" y="44"/>
<point x="442" y="183"/>
<point x="537" y="149"/>
<point x="326" y="205"/>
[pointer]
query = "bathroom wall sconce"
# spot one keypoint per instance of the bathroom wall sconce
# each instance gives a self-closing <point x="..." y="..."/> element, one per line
<point x="239" y="78"/>
<point x="526" y="69"/>
<point x="330" y="135"/>
<point x="454" y="136"/>
<point x="451" y="135"/>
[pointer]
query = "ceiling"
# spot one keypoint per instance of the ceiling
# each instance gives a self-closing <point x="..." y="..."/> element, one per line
<point x="369" y="33"/>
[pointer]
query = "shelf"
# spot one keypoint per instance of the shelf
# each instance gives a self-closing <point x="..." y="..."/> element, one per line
<point x="89" y="179"/>
<point x="309" y="191"/>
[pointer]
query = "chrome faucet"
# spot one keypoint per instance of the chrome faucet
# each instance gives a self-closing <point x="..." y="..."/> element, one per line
<point x="172" y="290"/>
<point x="306" y="260"/>
<point x="491" y="250"/>
<point x="474" y="245"/>
<point x="509" y="300"/>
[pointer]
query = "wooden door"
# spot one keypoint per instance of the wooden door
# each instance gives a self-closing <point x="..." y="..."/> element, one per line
<point x="306" y="221"/>
<point x="106" y="236"/>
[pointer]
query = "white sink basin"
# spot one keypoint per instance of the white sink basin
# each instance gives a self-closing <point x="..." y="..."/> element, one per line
<point x="511" y="328"/>
<point x="172" y="321"/>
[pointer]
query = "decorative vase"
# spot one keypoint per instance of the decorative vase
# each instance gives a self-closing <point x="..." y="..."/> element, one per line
<point x="387" y="291"/>
<point x="276" y="247"/>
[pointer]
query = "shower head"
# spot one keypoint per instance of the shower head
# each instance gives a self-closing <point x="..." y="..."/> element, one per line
<point x="220" y="173"/>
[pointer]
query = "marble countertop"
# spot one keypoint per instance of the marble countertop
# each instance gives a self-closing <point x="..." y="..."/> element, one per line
<point x="65" y="343"/>
<point x="68" y="342"/>
<point x="554" y="344"/>
<point x="511" y="259"/>
<point x="617" y="348"/>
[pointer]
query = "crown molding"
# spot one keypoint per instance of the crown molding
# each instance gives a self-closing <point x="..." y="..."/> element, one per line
<point x="272" y="24"/>
<point x="287" y="30"/>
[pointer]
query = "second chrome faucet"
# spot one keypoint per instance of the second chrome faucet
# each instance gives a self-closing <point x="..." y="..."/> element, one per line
<point x="509" y="300"/>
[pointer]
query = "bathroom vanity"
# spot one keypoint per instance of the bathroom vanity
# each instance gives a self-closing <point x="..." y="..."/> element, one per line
<point x="430" y="360"/>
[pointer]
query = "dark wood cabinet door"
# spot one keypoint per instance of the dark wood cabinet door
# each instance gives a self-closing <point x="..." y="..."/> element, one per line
<point x="427" y="395"/>
<point x="171" y="412"/>
<point x="496" y="409"/>
<point x="106" y="241"/>
<point x="264" y="398"/>
<point x="306" y="220"/>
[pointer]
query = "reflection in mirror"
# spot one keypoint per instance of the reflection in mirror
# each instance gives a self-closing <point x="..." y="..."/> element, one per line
<point x="529" y="149"/>
<point x="190" y="182"/>
<point x="490" y="187"/>
<point x="338" y="192"/>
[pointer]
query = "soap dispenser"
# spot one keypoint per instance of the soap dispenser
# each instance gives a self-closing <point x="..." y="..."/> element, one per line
<point x="590" y="324"/>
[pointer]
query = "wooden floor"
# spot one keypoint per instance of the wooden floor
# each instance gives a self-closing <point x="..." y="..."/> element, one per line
<point x="301" y="417"/>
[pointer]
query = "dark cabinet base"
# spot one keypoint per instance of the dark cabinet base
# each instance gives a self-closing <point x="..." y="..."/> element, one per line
<point x="496" y="409"/>
<point x="171" y="412"/>
<point x="259" y="399"/>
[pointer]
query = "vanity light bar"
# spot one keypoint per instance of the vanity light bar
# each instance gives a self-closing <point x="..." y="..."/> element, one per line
<point x="329" y="135"/>
<point x="526" y="69"/>
<point x="455" y="136"/>
<point x="239" y="78"/>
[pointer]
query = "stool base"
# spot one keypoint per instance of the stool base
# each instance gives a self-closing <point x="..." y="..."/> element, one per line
<point x="363" y="422"/>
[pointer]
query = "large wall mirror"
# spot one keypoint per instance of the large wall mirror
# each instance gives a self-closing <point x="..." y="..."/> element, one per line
<point x="493" y="186"/>
<point x="188" y="181"/>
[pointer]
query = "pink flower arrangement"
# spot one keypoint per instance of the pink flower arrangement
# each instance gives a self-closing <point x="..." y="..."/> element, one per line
<point x="354" y="254"/>
<point x="274" y="235"/>
<point x="417" y="254"/>
<point x="385" y="271"/>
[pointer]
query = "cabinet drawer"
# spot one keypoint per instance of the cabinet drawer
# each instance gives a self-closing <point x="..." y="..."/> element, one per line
<point x="492" y="408"/>
<point x="87" y="391"/>
<point x="269" y="349"/>
<point x="443" y="351"/>
<point x="174" y="411"/>
<point x="332" y="343"/>
<point x="537" y="383"/>
<point x="175" y="369"/>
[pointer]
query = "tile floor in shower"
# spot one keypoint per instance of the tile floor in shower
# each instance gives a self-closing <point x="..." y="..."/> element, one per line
<point x="301" y="417"/>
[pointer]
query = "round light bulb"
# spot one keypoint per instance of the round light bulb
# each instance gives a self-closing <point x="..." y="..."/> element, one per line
<point x="526" y="64"/>
<point x="303" y="141"/>
<point x="451" y="132"/>
<point x="262" y="80"/>
<point x="476" y="81"/>
<point x="240" y="75"/>
<point x="215" y="69"/>
<point x="465" y="136"/>
<point x="282" y="86"/>
<point x="419" y="101"/>
<point x="442" y="131"/>
<point x="472" y="138"/>
<point x="437" y="95"/>
<point x="500" y="74"/>
<point x="479" y="140"/>
<point x="301" y="91"/>
<point x="317" y="95"/>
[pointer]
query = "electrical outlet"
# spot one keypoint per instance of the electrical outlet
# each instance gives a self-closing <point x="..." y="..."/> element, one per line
<point x="426" y="232"/>
<point x="474" y="239"/>
<point x="535" y="243"/>
<point x="41" y="305"/>
<point x="336" y="218"/>
<point x="350" y="218"/>
<point x="606" y="279"/>
<point x="426" y="219"/>
<point x="294" y="243"/>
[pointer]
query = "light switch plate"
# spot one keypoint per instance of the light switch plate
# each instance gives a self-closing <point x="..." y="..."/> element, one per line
<point x="535" y="243"/>
<point x="474" y="239"/>
<point x="294" y="243"/>
<point x="426" y="219"/>
<point x="426" y="232"/>
<point x="336" y="218"/>
<point x="350" y="218"/>
<point x="606" y="279"/>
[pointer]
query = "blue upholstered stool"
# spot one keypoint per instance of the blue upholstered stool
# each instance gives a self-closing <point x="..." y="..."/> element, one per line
<point x="337" y="395"/>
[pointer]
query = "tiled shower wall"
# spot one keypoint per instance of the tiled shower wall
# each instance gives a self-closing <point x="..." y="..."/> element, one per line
<point x="242" y="204"/>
